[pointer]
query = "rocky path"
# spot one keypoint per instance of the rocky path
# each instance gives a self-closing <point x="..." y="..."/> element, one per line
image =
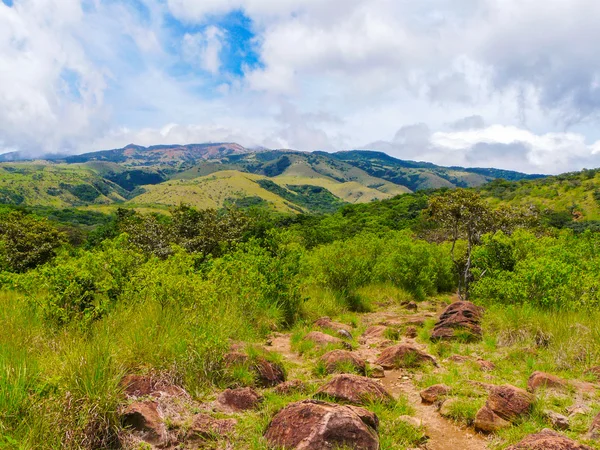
<point x="443" y="434"/>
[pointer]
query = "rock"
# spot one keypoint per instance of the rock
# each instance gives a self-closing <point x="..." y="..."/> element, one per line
<point x="486" y="366"/>
<point x="354" y="389"/>
<point x="144" y="419"/>
<point x="207" y="427"/>
<point x="459" y="358"/>
<point x="344" y="334"/>
<point x="411" y="332"/>
<point x="323" y="339"/>
<point x="236" y="400"/>
<point x="487" y="421"/>
<point x="326" y="323"/>
<point x="315" y="425"/>
<point x="545" y="380"/>
<point x="459" y="317"/>
<point x="267" y="373"/>
<point x="509" y="402"/>
<point x="373" y="334"/>
<point x="340" y="360"/>
<point x="411" y="306"/>
<point x="290" y="387"/>
<point x="578" y="409"/>
<point x="557" y="420"/>
<point x="403" y="355"/>
<point x="594" y="431"/>
<point x="434" y="393"/>
<point x="548" y="440"/>
<point x="505" y="404"/>
<point x="137" y="385"/>
<point x="376" y="371"/>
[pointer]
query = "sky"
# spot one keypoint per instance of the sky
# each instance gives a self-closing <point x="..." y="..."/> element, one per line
<point x="512" y="84"/>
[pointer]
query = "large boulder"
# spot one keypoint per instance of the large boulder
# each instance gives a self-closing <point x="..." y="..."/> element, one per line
<point x="548" y="440"/>
<point x="403" y="355"/>
<point x="236" y="400"/>
<point x="343" y="360"/>
<point x="457" y="319"/>
<point x="354" y="389"/>
<point x="545" y="380"/>
<point x="315" y="425"/>
<point x="504" y="405"/>
<point x="145" y="421"/>
<point x="322" y="340"/>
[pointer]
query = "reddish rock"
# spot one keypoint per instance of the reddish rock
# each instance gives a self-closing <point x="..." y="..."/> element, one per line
<point x="509" y="402"/>
<point x="487" y="421"/>
<point x="411" y="306"/>
<point x="546" y="380"/>
<point x="459" y="317"/>
<point x="374" y="333"/>
<point x="267" y="373"/>
<point x="207" y="427"/>
<point x="459" y="358"/>
<point x="137" y="385"/>
<point x="594" y="431"/>
<point x="557" y="420"/>
<point x="144" y="419"/>
<point x="486" y="366"/>
<point x="548" y="440"/>
<point x="354" y="389"/>
<point x="315" y="425"/>
<point x="326" y="323"/>
<point x="290" y="387"/>
<point x="411" y="332"/>
<point x="376" y="371"/>
<point x="337" y="360"/>
<point x="236" y="400"/>
<point x="403" y="355"/>
<point x="434" y="393"/>
<point x="323" y="339"/>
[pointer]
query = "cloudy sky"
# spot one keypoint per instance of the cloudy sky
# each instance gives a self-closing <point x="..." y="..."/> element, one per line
<point x="504" y="83"/>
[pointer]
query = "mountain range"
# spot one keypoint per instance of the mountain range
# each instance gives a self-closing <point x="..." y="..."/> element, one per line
<point x="218" y="174"/>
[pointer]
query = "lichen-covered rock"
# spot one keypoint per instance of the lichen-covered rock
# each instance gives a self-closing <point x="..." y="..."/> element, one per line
<point x="457" y="319"/>
<point x="548" y="440"/>
<point x="342" y="360"/>
<point x="403" y="355"/>
<point x="354" y="389"/>
<point x="315" y="425"/>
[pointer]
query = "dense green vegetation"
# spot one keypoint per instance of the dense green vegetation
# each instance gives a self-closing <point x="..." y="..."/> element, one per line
<point x="168" y="294"/>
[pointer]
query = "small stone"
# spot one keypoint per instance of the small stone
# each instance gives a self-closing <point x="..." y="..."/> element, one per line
<point x="412" y="306"/>
<point x="434" y="393"/>
<point x="487" y="421"/>
<point x="323" y="339"/>
<point x="344" y="334"/>
<point x="594" y="431"/>
<point x="403" y="355"/>
<point x="411" y="332"/>
<point x="290" y="387"/>
<point x="376" y="371"/>
<point x="337" y="360"/>
<point x="486" y="366"/>
<point x="557" y="420"/>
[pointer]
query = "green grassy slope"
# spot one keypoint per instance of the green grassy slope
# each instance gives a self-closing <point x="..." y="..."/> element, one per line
<point x="57" y="185"/>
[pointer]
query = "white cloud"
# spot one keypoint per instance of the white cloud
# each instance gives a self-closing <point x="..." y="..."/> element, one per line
<point x="204" y="48"/>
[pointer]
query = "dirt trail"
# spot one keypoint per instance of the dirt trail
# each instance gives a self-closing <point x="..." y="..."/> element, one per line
<point x="443" y="434"/>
